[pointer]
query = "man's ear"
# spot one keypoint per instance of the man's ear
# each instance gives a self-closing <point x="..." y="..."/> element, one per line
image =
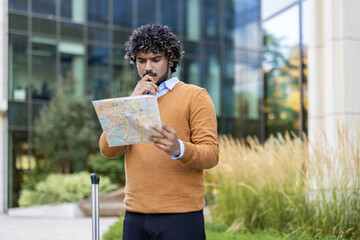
<point x="171" y="64"/>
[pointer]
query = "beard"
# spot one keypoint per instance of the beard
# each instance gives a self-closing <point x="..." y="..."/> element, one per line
<point x="162" y="78"/>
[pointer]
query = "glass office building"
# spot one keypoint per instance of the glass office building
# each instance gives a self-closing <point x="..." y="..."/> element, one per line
<point x="253" y="69"/>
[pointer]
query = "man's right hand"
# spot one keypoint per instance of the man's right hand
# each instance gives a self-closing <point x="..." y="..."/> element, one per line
<point x="145" y="85"/>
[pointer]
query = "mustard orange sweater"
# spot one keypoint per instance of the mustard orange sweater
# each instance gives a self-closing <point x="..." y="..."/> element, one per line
<point x="156" y="183"/>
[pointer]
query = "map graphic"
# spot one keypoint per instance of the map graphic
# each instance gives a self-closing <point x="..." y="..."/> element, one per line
<point x="125" y="120"/>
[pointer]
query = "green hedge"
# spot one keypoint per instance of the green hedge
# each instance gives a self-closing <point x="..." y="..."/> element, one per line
<point x="62" y="188"/>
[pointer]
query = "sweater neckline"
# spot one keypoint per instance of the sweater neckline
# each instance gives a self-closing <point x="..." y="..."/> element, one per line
<point x="169" y="92"/>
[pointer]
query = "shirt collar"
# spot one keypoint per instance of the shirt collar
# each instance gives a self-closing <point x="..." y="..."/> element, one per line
<point x="169" y="84"/>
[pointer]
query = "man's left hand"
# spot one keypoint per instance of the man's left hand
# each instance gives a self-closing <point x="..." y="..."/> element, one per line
<point x="169" y="142"/>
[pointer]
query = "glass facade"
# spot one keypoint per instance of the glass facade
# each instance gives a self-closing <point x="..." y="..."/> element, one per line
<point x="252" y="87"/>
<point x="284" y="80"/>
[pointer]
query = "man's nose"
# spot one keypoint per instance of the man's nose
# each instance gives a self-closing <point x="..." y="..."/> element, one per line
<point x="148" y="66"/>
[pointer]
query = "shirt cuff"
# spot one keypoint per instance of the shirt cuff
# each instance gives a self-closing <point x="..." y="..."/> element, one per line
<point x="182" y="150"/>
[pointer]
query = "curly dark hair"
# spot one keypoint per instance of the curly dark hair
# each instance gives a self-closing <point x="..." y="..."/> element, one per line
<point x="154" y="38"/>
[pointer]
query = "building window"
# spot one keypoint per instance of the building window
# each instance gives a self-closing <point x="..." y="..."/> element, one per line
<point x="281" y="72"/>
<point x="45" y="7"/>
<point x="18" y="22"/>
<point x="73" y="9"/>
<point x="124" y="75"/>
<point x="71" y="30"/>
<point x="146" y="12"/>
<point x="271" y="7"/>
<point x="44" y="26"/>
<point x="18" y="69"/>
<point x="192" y="16"/>
<point x="98" y="34"/>
<point x="98" y="11"/>
<point x="98" y="72"/>
<point x="123" y="13"/>
<point x="211" y="20"/>
<point x="43" y="78"/>
<point x="19" y="5"/>
<point x="72" y="64"/>
<point x="19" y="163"/>
<point x="191" y="71"/>
<point x="170" y="17"/>
<point x="18" y="114"/>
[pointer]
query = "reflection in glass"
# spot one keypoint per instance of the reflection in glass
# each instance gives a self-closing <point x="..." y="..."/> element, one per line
<point x="281" y="62"/>
<point x="211" y="81"/>
<point x="98" y="34"/>
<point x="191" y="71"/>
<point x="123" y="13"/>
<point x="36" y="111"/>
<point x="73" y="9"/>
<point x="97" y="11"/>
<point x="247" y="87"/>
<point x="20" y="5"/>
<point x="169" y="14"/>
<point x="228" y="20"/>
<point x="43" y="78"/>
<point x="146" y="12"/>
<point x="191" y="18"/>
<point x="71" y="30"/>
<point x="98" y="72"/>
<point x="46" y="7"/>
<point x="211" y="20"/>
<point x="192" y="48"/>
<point x="237" y="15"/>
<point x="228" y="89"/>
<point x="18" y="114"/>
<point x="120" y="37"/>
<point x="18" y="84"/>
<point x="18" y="22"/>
<point x="271" y="7"/>
<point x="18" y="163"/>
<point x="44" y="26"/>
<point x="125" y="76"/>
<point x="72" y="64"/>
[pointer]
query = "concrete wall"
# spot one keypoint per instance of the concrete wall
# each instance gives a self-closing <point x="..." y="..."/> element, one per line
<point x="333" y="67"/>
<point x="3" y="106"/>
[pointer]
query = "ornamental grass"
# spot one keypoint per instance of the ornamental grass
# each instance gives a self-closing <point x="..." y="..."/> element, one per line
<point x="288" y="186"/>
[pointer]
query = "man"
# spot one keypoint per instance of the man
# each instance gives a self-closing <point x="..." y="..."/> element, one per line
<point x="164" y="193"/>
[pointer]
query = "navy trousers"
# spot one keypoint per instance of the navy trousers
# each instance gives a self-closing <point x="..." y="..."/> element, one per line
<point x="169" y="226"/>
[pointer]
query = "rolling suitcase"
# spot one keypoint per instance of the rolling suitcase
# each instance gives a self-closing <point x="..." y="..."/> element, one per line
<point x="95" y="180"/>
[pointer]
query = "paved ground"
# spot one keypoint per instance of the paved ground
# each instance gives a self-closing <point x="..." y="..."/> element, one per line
<point x="30" y="228"/>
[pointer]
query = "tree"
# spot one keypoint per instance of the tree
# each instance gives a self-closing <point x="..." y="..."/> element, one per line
<point x="65" y="132"/>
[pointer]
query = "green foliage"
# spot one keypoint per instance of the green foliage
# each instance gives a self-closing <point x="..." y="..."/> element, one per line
<point x="62" y="188"/>
<point x="115" y="231"/>
<point x="65" y="131"/>
<point x="112" y="168"/>
<point x="38" y="174"/>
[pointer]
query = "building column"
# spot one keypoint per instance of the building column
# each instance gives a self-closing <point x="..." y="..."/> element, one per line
<point x="333" y="68"/>
<point x="3" y="106"/>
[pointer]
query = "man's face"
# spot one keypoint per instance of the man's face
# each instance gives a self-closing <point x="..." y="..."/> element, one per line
<point x="155" y="65"/>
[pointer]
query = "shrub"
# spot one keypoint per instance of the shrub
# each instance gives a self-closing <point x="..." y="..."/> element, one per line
<point x="112" y="168"/>
<point x="62" y="188"/>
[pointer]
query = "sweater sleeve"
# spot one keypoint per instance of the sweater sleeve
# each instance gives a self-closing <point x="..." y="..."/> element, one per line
<point x="202" y="152"/>
<point x="109" y="152"/>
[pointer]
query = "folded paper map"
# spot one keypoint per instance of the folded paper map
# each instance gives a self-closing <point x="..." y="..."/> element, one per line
<point x="126" y="120"/>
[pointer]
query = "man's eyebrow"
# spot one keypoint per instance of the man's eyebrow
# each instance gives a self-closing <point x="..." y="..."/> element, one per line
<point x="157" y="56"/>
